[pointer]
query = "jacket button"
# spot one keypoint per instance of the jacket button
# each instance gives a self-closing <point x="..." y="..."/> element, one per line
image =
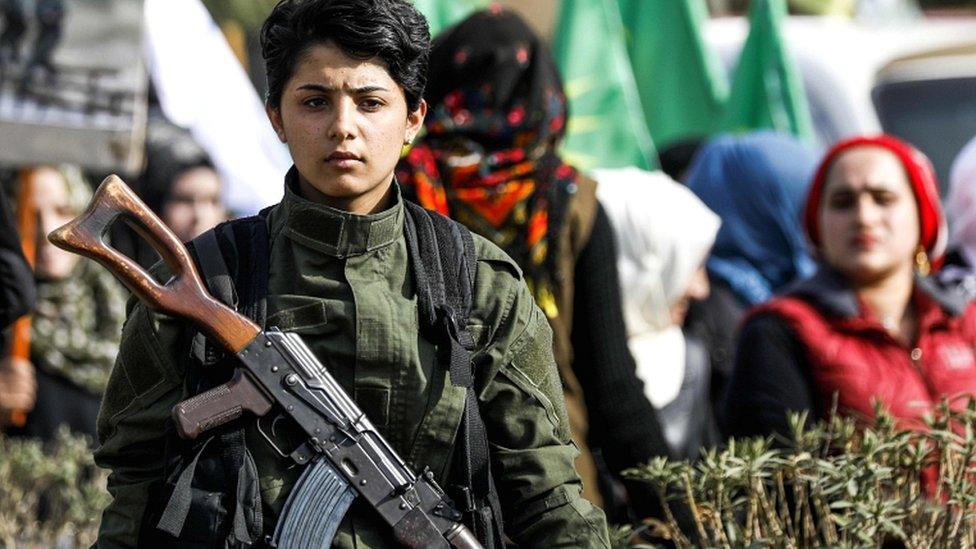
<point x="916" y="354"/>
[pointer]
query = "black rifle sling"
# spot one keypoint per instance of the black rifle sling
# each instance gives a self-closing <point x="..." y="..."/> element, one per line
<point x="443" y="259"/>
<point x="244" y="289"/>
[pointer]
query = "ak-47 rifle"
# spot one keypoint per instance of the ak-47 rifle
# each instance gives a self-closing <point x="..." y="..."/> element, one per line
<point x="343" y="451"/>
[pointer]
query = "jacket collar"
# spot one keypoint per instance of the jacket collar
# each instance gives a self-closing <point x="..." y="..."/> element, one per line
<point x="336" y="232"/>
<point x="829" y="291"/>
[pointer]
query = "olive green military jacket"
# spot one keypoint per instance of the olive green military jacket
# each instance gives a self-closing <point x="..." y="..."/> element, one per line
<point x="342" y="282"/>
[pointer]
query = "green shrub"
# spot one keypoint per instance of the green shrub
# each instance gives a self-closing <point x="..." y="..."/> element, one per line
<point x="49" y="492"/>
<point x="834" y="484"/>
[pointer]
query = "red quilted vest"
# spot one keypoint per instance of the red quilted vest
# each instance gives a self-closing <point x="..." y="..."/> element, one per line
<point x="853" y="355"/>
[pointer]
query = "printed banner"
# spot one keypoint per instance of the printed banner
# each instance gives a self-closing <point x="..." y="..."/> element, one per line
<point x="73" y="84"/>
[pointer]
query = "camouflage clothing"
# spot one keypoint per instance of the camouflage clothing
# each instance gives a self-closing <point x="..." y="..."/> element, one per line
<point x="76" y="326"/>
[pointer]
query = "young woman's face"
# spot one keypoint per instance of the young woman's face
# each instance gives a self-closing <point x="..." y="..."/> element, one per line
<point x="193" y="205"/>
<point x="345" y="121"/>
<point x="53" y="205"/>
<point x="869" y="227"/>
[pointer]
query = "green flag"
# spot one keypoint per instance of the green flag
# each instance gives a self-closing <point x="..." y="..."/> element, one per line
<point x="767" y="90"/>
<point x="682" y="87"/>
<point x="441" y="14"/>
<point x="606" y="126"/>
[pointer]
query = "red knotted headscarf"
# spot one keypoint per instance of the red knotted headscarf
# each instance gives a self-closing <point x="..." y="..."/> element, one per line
<point x="933" y="231"/>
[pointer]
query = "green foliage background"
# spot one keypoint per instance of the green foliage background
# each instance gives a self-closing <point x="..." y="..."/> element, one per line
<point x="249" y="13"/>
<point x="839" y="484"/>
<point x="49" y="492"/>
<point x="836" y="484"/>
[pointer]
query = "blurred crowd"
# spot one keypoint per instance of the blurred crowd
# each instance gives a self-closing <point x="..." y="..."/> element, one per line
<point x="60" y="356"/>
<point x="753" y="278"/>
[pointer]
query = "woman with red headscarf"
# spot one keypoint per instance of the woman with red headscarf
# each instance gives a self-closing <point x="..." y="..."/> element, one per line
<point x="869" y="325"/>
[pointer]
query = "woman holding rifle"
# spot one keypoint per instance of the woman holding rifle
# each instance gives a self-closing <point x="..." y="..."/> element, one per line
<point x="346" y="81"/>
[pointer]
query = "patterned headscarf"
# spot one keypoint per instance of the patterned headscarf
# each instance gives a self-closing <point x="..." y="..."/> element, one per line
<point x="78" y="188"/>
<point x="77" y="324"/>
<point x="496" y="112"/>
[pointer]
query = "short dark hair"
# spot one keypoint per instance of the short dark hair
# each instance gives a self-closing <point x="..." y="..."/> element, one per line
<point x="391" y="30"/>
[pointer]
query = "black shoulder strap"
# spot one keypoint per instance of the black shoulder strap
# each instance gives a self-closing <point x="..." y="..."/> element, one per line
<point x="213" y="267"/>
<point x="233" y="259"/>
<point x="247" y="273"/>
<point x="444" y="263"/>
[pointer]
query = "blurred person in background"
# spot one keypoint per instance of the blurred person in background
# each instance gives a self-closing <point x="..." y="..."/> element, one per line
<point x="664" y="233"/>
<point x="180" y="184"/>
<point x="49" y="17"/>
<point x="676" y="158"/>
<point x="959" y="270"/>
<point x="77" y="319"/>
<point x="497" y="112"/>
<point x="756" y="183"/>
<point x="17" y="295"/>
<point x="869" y="325"/>
<point x="14" y="21"/>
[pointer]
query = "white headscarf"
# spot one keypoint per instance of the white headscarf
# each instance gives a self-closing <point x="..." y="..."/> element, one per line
<point x="961" y="202"/>
<point x="663" y="234"/>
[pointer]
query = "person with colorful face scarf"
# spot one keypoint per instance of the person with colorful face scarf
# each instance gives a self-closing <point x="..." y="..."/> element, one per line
<point x="757" y="184"/>
<point x="497" y="113"/>
<point x="870" y="325"/>
<point x="17" y="296"/>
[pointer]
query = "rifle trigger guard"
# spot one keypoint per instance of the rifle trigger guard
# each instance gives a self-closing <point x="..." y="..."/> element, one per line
<point x="270" y="437"/>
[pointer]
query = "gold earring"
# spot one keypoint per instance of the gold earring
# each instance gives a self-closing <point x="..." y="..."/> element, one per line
<point x="922" y="264"/>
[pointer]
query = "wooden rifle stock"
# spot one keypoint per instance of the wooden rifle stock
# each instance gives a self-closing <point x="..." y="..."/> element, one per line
<point x="184" y="295"/>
